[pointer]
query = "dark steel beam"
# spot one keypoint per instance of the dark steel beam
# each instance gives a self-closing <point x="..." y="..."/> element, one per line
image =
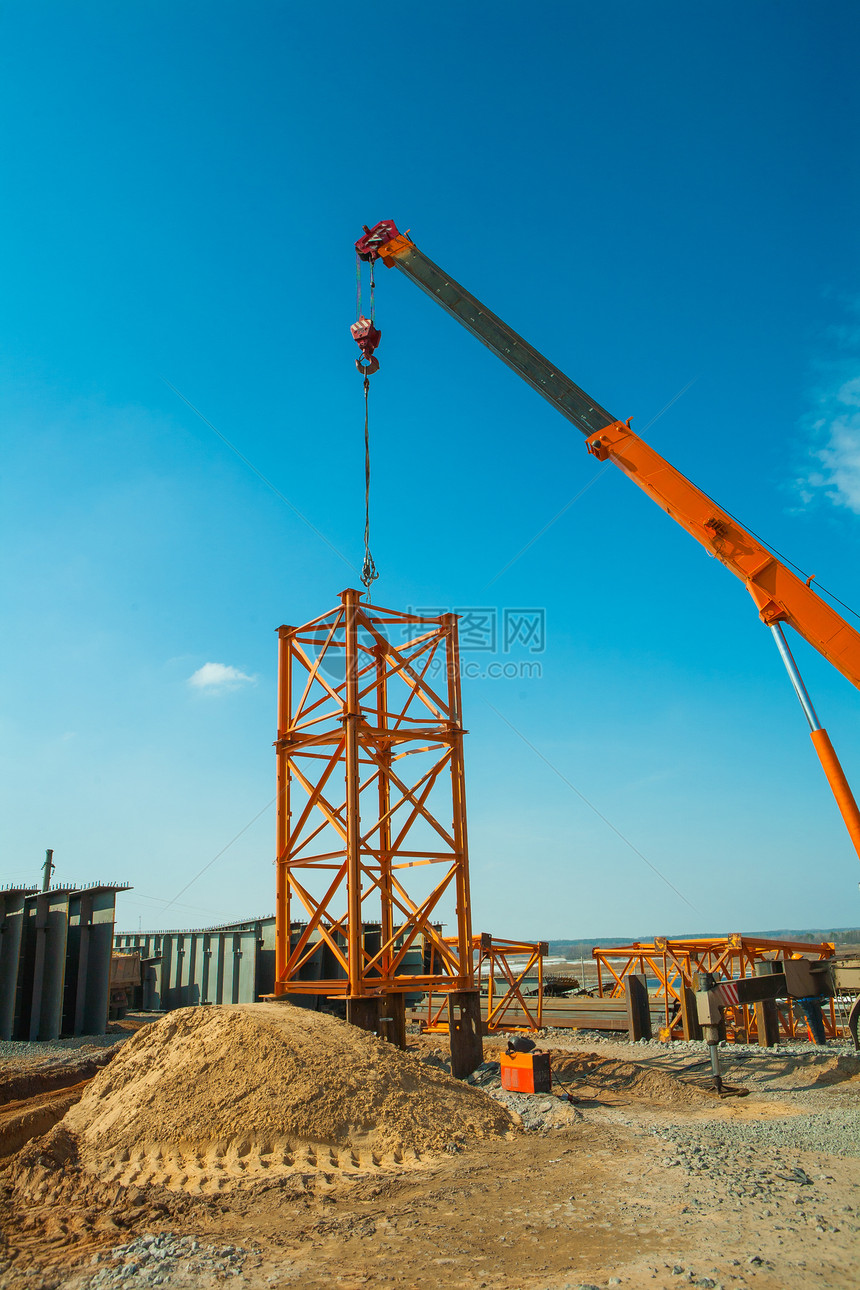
<point x="559" y="390"/>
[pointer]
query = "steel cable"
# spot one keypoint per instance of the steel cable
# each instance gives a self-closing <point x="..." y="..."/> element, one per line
<point x="368" y="569"/>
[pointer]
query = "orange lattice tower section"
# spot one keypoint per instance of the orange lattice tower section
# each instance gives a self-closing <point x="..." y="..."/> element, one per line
<point x="372" y="818"/>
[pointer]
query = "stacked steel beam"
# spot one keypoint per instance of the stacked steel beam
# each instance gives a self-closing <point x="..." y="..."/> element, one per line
<point x="55" y="949"/>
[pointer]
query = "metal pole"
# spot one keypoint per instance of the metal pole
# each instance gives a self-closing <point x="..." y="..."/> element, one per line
<point x="794" y="676"/>
<point x="47" y="869"/>
<point x="351" y="717"/>
<point x="839" y="785"/>
<point x="712" y="1039"/>
<point x="282" y="886"/>
<point x="491" y="976"/>
<point x="461" y="846"/>
<point x="386" y="889"/>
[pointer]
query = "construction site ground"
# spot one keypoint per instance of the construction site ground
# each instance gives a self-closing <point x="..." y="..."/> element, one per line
<point x="644" y="1179"/>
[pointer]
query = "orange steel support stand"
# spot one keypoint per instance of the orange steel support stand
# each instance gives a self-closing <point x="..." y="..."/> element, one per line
<point x="372" y="814"/>
<point x="675" y="963"/>
<point x="839" y="785"/>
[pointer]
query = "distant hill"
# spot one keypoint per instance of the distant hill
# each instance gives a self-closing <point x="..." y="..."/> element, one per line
<point x="582" y="948"/>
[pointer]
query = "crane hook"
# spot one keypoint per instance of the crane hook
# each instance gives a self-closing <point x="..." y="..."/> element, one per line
<point x="366" y="337"/>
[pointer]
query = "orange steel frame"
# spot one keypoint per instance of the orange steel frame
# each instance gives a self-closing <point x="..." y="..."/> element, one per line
<point x="675" y="963"/>
<point x="493" y="955"/>
<point x="353" y="819"/>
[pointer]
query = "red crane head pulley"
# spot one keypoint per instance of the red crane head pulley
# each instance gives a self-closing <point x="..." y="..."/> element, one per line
<point x="368" y="245"/>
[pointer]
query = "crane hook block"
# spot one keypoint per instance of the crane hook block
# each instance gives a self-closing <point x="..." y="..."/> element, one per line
<point x="366" y="337"/>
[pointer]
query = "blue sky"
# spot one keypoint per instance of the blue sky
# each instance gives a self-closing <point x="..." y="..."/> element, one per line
<point x="653" y="196"/>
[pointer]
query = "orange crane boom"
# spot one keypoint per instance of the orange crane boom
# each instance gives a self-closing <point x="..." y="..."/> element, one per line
<point x="780" y="596"/>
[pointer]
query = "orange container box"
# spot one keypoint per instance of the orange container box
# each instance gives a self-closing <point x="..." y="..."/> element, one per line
<point x="526" y="1072"/>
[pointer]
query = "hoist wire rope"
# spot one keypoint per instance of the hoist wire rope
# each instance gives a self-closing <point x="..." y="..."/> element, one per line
<point x="369" y="572"/>
<point x="368" y="569"/>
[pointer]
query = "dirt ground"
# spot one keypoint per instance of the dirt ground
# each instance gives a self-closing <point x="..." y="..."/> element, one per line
<point x="644" y="1179"/>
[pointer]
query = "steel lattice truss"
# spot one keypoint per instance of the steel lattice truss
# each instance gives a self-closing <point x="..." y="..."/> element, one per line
<point x="676" y="964"/>
<point x="505" y="986"/>
<point x="371" y="804"/>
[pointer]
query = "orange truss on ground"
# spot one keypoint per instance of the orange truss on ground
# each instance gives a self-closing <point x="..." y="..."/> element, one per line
<point x="371" y="802"/>
<point x="493" y="965"/>
<point x="675" y="963"/>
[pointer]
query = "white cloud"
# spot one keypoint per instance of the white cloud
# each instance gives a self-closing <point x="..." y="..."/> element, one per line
<point x="850" y="393"/>
<point x="832" y="426"/>
<point x="838" y="425"/>
<point x="218" y="678"/>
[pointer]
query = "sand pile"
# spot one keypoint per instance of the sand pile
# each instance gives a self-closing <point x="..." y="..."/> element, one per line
<point x="590" y="1072"/>
<point x="837" y="1070"/>
<point x="30" y="1118"/>
<point x="209" y="1096"/>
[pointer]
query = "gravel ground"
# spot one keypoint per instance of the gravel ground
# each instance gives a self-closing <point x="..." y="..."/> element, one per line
<point x="724" y="1195"/>
<point x="164" y="1260"/>
<point x="834" y="1133"/>
<point x="682" y="1047"/>
<point x="835" y="1129"/>
<point x="538" y="1113"/>
<point x="756" y="1169"/>
<point x="19" y="1050"/>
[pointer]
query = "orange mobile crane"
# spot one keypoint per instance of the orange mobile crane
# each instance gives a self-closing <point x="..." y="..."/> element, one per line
<point x="780" y="596"/>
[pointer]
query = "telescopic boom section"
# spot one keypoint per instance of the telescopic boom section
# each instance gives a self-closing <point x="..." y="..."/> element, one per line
<point x="396" y="250"/>
<point x="779" y="595"/>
